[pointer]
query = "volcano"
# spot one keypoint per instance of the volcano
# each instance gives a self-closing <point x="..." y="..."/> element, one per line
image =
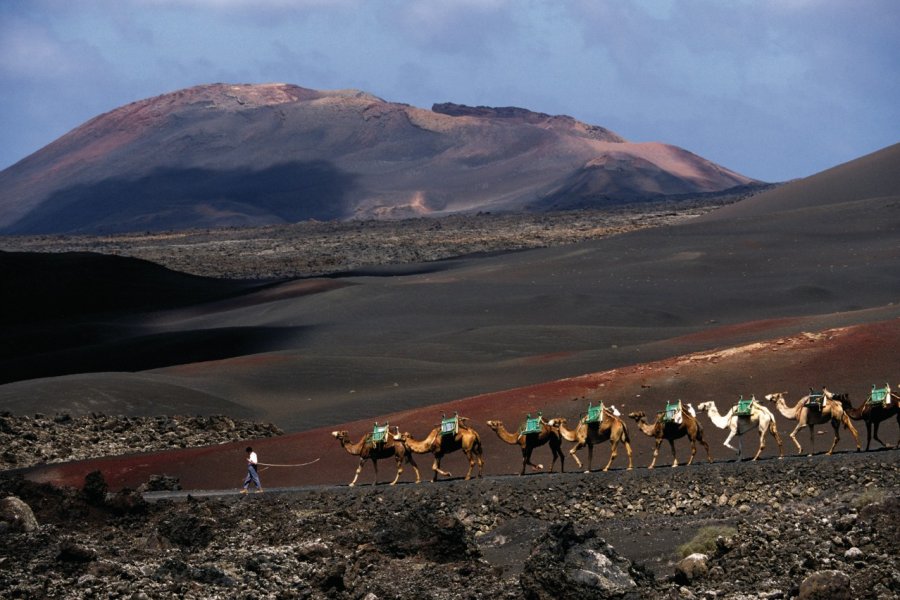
<point x="244" y="155"/>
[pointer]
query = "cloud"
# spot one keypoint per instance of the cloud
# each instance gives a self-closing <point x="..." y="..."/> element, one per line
<point x="29" y="51"/>
<point x="465" y="27"/>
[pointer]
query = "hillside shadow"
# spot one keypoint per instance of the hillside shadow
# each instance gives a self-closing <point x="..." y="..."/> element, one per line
<point x="140" y="353"/>
<point x="170" y="198"/>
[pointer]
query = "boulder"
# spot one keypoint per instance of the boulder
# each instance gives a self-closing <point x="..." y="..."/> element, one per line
<point x="574" y="563"/>
<point x="692" y="567"/>
<point x="825" y="585"/>
<point x="17" y="515"/>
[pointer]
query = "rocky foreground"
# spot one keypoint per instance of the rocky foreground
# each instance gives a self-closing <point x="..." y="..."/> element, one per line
<point x="821" y="527"/>
<point x="30" y="440"/>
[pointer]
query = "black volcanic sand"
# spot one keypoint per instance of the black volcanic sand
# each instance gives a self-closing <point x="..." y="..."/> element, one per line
<point x="397" y="339"/>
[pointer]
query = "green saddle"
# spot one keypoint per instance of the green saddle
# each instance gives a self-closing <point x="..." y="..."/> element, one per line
<point x="817" y="399"/>
<point x="380" y="433"/>
<point x="878" y="395"/>
<point x="672" y="410"/>
<point x="532" y="425"/>
<point x="450" y="425"/>
<point x="594" y="413"/>
<point x="744" y="406"/>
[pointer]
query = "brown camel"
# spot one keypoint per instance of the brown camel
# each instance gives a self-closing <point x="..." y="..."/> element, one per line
<point x="465" y="439"/>
<point x="759" y="418"/>
<point x="671" y="431"/>
<point x="529" y="441"/>
<point x="809" y="415"/>
<point x="873" y="413"/>
<point x="609" y="427"/>
<point x="366" y="449"/>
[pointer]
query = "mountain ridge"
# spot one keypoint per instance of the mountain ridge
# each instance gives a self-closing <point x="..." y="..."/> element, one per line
<point x="338" y="154"/>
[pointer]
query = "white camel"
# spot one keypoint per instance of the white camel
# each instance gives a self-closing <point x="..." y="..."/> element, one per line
<point x="760" y="418"/>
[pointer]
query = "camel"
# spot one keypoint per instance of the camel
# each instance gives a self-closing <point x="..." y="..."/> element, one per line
<point x="610" y="427"/>
<point x="873" y="413"/>
<point x="366" y="449"/>
<point x="806" y="416"/>
<point x="465" y="439"/>
<point x="760" y="418"/>
<point x="671" y="431"/>
<point x="529" y="441"/>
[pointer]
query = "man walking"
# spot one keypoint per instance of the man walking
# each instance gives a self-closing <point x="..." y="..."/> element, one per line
<point x="252" y="474"/>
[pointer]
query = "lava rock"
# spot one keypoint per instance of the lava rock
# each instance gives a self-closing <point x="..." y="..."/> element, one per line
<point x="17" y="515"/>
<point x="826" y="585"/>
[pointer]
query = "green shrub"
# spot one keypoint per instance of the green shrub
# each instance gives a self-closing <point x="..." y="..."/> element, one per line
<point x="705" y="540"/>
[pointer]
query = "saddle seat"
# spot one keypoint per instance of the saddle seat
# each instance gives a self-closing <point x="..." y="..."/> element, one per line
<point x="450" y="425"/>
<point x="594" y="413"/>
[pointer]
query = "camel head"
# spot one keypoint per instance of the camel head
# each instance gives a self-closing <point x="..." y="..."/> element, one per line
<point x="637" y="415"/>
<point x="557" y="421"/>
<point x="340" y="435"/>
<point x="775" y="396"/>
<point x="495" y="425"/>
<point x="400" y="437"/>
<point x="704" y="406"/>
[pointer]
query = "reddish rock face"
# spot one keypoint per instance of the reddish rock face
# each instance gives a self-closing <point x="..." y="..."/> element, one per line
<point x="233" y="155"/>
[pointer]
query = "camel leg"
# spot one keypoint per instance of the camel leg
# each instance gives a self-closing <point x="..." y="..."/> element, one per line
<point x="613" y="444"/>
<point x="399" y="460"/>
<point x="358" y="471"/>
<point x="898" y="427"/>
<point x="727" y="443"/>
<point x="590" y="457"/>
<point x="762" y="443"/>
<point x="412" y="463"/>
<point x="794" y="437"/>
<point x="773" y="429"/>
<point x="869" y="425"/>
<point x="628" y="452"/>
<point x="655" y="453"/>
<point x="556" y="449"/>
<point x="470" y="455"/>
<point x="526" y="460"/>
<point x="675" y="457"/>
<point x="837" y="436"/>
<point x="849" y="425"/>
<point x="436" y="468"/>
<point x="573" y="451"/>
<point x="705" y="446"/>
<point x="471" y="460"/>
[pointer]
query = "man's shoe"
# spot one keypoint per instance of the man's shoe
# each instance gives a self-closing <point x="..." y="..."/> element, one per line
<point x="244" y="491"/>
<point x="259" y="491"/>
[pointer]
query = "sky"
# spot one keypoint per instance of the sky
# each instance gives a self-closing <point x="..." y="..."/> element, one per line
<point x="773" y="89"/>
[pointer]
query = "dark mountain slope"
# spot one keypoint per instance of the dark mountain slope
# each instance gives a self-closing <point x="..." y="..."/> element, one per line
<point x="876" y="175"/>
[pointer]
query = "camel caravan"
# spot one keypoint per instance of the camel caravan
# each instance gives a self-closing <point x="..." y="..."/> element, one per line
<point x="602" y="423"/>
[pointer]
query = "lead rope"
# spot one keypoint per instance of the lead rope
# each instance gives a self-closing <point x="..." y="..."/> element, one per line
<point x="267" y="465"/>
